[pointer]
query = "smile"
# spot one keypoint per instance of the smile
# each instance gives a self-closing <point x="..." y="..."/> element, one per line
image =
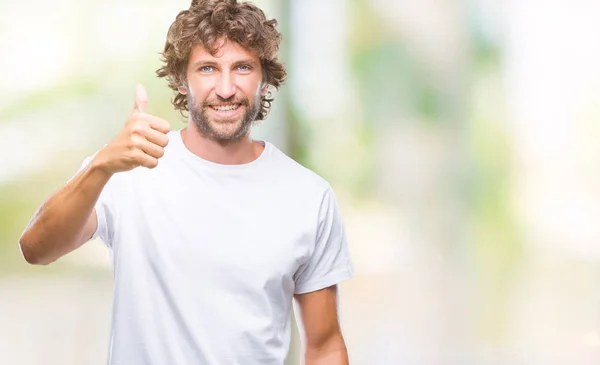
<point x="225" y="108"/>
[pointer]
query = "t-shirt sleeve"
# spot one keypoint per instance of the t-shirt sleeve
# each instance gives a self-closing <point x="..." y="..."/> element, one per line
<point x="105" y="210"/>
<point x="330" y="261"/>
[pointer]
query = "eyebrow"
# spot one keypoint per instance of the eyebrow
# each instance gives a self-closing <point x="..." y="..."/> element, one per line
<point x="205" y="63"/>
<point x="245" y="62"/>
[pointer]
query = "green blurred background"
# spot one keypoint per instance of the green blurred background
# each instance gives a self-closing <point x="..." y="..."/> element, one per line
<point x="461" y="138"/>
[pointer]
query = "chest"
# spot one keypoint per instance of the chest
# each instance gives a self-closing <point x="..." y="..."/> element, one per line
<point x="250" y="235"/>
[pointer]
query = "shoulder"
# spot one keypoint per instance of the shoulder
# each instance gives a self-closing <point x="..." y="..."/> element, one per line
<point x="294" y="174"/>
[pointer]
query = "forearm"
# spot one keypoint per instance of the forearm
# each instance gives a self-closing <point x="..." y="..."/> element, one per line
<point x="334" y="352"/>
<point x="57" y="227"/>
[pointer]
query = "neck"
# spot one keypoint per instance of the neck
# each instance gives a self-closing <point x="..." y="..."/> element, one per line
<point x="235" y="152"/>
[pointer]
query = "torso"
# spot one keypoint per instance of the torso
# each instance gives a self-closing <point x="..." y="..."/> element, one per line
<point x="204" y="261"/>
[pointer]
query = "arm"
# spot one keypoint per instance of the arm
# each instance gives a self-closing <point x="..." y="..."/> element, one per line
<point x="68" y="219"/>
<point x="324" y="343"/>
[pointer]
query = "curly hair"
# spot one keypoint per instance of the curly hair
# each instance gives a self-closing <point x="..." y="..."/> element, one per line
<point x="204" y="23"/>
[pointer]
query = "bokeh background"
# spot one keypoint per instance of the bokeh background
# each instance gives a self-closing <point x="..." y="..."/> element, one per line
<point x="461" y="138"/>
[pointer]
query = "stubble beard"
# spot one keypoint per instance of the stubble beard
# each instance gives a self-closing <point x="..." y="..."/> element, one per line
<point x="210" y="128"/>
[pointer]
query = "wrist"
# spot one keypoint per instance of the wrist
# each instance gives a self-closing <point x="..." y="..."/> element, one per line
<point x="96" y="167"/>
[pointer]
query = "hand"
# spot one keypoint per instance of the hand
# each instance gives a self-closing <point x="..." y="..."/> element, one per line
<point x="140" y="143"/>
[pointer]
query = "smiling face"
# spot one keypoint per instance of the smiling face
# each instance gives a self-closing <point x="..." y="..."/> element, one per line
<point x="223" y="91"/>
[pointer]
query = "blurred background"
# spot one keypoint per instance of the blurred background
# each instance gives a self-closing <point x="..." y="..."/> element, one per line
<point x="461" y="138"/>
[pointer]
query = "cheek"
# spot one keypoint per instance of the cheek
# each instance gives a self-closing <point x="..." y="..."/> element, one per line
<point x="249" y="84"/>
<point x="199" y="87"/>
<point x="198" y="94"/>
<point x="254" y="89"/>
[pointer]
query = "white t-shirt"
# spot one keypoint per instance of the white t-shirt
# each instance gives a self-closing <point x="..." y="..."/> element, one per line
<point x="207" y="257"/>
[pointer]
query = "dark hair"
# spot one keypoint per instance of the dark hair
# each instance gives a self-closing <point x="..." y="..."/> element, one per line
<point x="208" y="20"/>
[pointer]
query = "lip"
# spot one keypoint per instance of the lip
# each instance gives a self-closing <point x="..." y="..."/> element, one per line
<point x="226" y="114"/>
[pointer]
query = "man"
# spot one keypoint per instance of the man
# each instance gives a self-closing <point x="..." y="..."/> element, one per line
<point x="212" y="233"/>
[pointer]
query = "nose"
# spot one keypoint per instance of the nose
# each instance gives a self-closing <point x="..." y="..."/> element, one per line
<point x="226" y="85"/>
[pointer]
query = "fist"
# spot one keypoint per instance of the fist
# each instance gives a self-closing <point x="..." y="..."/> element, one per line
<point x="140" y="143"/>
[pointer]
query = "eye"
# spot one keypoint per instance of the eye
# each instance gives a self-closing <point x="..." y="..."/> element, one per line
<point x="244" y="68"/>
<point x="206" y="69"/>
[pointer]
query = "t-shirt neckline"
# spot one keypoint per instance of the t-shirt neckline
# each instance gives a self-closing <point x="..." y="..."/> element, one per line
<point x="177" y="141"/>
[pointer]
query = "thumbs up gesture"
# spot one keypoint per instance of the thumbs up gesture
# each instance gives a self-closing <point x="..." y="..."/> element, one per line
<point x="140" y="143"/>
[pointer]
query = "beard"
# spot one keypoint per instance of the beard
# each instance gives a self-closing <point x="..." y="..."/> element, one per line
<point x="224" y="129"/>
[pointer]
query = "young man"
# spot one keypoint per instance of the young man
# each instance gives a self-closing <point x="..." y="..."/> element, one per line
<point x="212" y="233"/>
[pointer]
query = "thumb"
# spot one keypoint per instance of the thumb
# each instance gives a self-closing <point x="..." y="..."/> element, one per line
<point x="141" y="99"/>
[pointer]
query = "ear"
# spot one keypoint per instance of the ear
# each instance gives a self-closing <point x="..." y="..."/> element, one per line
<point x="182" y="90"/>
<point x="264" y="89"/>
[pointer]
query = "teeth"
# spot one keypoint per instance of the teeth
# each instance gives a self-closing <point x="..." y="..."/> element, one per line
<point x="224" y="108"/>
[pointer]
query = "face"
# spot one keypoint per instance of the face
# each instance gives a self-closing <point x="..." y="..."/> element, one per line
<point x="224" y="91"/>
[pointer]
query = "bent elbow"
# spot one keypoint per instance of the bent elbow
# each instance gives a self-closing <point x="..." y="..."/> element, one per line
<point x="29" y="254"/>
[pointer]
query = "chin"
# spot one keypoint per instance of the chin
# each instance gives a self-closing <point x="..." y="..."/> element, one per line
<point x="226" y="133"/>
<point x="226" y="129"/>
